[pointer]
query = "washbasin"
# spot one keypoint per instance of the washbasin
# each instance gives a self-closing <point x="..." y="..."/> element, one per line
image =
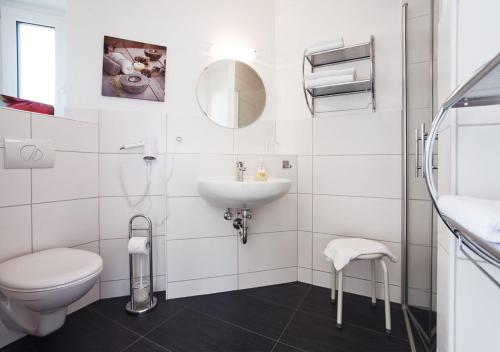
<point x="249" y="194"/>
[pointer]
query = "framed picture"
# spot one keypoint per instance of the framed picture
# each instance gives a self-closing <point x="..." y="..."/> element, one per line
<point x="133" y="69"/>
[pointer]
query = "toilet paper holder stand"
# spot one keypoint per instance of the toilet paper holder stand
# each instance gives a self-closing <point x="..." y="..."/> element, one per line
<point x="135" y="306"/>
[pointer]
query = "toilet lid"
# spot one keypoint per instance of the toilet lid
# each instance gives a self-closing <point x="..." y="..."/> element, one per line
<point x="48" y="269"/>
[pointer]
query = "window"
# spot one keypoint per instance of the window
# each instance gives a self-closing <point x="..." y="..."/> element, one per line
<point x="36" y="62"/>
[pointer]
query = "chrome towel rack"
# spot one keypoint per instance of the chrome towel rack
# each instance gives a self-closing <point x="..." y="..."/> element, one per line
<point x="358" y="52"/>
<point x="482" y="89"/>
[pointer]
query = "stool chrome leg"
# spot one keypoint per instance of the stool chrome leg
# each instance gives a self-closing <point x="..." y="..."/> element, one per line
<point x="387" y="298"/>
<point x="339" y="302"/>
<point x="374" y="284"/>
<point x="334" y="272"/>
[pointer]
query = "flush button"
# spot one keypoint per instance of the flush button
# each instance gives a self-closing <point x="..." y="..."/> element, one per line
<point x="26" y="153"/>
<point x="286" y="164"/>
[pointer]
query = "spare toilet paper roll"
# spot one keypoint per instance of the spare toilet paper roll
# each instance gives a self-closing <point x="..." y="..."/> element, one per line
<point x="138" y="245"/>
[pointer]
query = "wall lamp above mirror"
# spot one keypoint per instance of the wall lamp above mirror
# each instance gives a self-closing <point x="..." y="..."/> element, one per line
<point x="231" y="93"/>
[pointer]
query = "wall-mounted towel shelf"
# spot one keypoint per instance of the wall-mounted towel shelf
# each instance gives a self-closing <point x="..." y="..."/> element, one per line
<point x="482" y="89"/>
<point x="359" y="52"/>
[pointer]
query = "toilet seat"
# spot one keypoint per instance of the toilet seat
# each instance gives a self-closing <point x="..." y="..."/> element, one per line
<point x="49" y="270"/>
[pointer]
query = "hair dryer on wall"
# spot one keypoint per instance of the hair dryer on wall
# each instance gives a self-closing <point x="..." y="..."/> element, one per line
<point x="148" y="146"/>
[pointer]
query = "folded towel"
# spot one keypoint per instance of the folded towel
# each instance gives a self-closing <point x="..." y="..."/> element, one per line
<point x="327" y="81"/>
<point x="344" y="250"/>
<point x="479" y="216"/>
<point x="325" y="45"/>
<point x="329" y="73"/>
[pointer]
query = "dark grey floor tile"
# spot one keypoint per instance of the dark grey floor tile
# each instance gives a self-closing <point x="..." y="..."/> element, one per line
<point x="285" y="348"/>
<point x="357" y="310"/>
<point x="249" y="312"/>
<point x="114" y="309"/>
<point x="192" y="331"/>
<point x="290" y="294"/>
<point x="145" y="346"/>
<point x="314" y="333"/>
<point x="83" y="331"/>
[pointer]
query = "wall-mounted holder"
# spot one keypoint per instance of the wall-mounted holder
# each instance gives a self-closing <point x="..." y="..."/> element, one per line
<point x="359" y="52"/>
<point x="142" y="299"/>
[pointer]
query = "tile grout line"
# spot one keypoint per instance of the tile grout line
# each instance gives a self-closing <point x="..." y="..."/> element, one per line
<point x="291" y="318"/>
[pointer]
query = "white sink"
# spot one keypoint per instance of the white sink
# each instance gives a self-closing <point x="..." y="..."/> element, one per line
<point x="229" y="193"/>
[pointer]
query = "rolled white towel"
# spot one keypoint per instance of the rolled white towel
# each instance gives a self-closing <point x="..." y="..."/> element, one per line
<point x="331" y="44"/>
<point x="328" y="73"/>
<point x="479" y="216"/>
<point x="328" y="81"/>
<point x="344" y="250"/>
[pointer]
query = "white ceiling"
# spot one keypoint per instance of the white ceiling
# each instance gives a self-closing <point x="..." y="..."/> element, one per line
<point x="50" y="5"/>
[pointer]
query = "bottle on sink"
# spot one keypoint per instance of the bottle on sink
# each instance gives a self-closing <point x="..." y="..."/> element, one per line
<point x="261" y="173"/>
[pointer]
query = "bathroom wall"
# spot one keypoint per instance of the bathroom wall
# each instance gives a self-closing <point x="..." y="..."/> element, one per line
<point x="349" y="162"/>
<point x="46" y="208"/>
<point x="203" y="252"/>
<point x="468" y="148"/>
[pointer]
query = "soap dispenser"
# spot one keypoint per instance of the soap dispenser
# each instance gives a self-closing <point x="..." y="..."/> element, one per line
<point x="261" y="174"/>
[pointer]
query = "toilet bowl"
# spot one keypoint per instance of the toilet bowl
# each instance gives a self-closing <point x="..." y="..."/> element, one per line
<point x="36" y="289"/>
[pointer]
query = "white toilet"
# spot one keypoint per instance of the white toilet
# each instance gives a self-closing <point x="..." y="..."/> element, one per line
<point x="36" y="289"/>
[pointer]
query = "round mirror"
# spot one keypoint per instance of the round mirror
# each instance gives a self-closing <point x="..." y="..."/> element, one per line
<point x="231" y="93"/>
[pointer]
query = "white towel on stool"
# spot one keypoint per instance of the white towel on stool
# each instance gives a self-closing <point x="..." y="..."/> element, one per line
<point x="329" y="73"/>
<point x="328" y="81"/>
<point x="325" y="45"/>
<point x="344" y="250"/>
<point x="479" y="216"/>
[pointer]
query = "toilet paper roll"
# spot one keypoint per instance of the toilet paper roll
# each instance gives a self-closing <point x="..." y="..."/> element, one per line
<point x="138" y="245"/>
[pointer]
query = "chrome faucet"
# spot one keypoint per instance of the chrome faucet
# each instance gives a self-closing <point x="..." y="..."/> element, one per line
<point x="240" y="171"/>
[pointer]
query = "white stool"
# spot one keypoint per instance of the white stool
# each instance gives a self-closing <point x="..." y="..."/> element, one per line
<point x="361" y="244"/>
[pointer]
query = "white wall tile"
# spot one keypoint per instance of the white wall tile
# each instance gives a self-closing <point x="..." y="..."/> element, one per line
<point x="201" y="258"/>
<point x="279" y="215"/>
<point x="202" y="286"/>
<point x="304" y="250"/>
<point x="419" y="8"/>
<point x="419" y="39"/>
<point x="184" y="170"/>
<point x="91" y="247"/>
<point x="265" y="278"/>
<point x="419" y="267"/>
<point x="124" y="127"/>
<point x="81" y="114"/>
<point x="360" y="175"/>
<point x="304" y="275"/>
<point x="361" y="268"/>
<point x="419" y="222"/>
<point x="349" y="134"/>
<point x="191" y="217"/>
<point x="115" y="213"/>
<point x="15" y="185"/>
<point x="15" y="231"/>
<point x="374" y="218"/>
<point x="479" y="115"/>
<point x="304" y="174"/>
<point x="65" y="224"/>
<point x="268" y="251"/>
<point x="68" y="135"/>
<point x="257" y="138"/>
<point x="419" y="96"/>
<point x="14" y="123"/>
<point x="304" y="212"/>
<point x="74" y="176"/>
<point x="198" y="135"/>
<point x="126" y="174"/>
<point x="477" y="170"/>
<point x="294" y="136"/>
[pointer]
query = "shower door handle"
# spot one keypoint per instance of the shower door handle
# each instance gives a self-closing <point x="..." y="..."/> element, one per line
<point x="420" y="138"/>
